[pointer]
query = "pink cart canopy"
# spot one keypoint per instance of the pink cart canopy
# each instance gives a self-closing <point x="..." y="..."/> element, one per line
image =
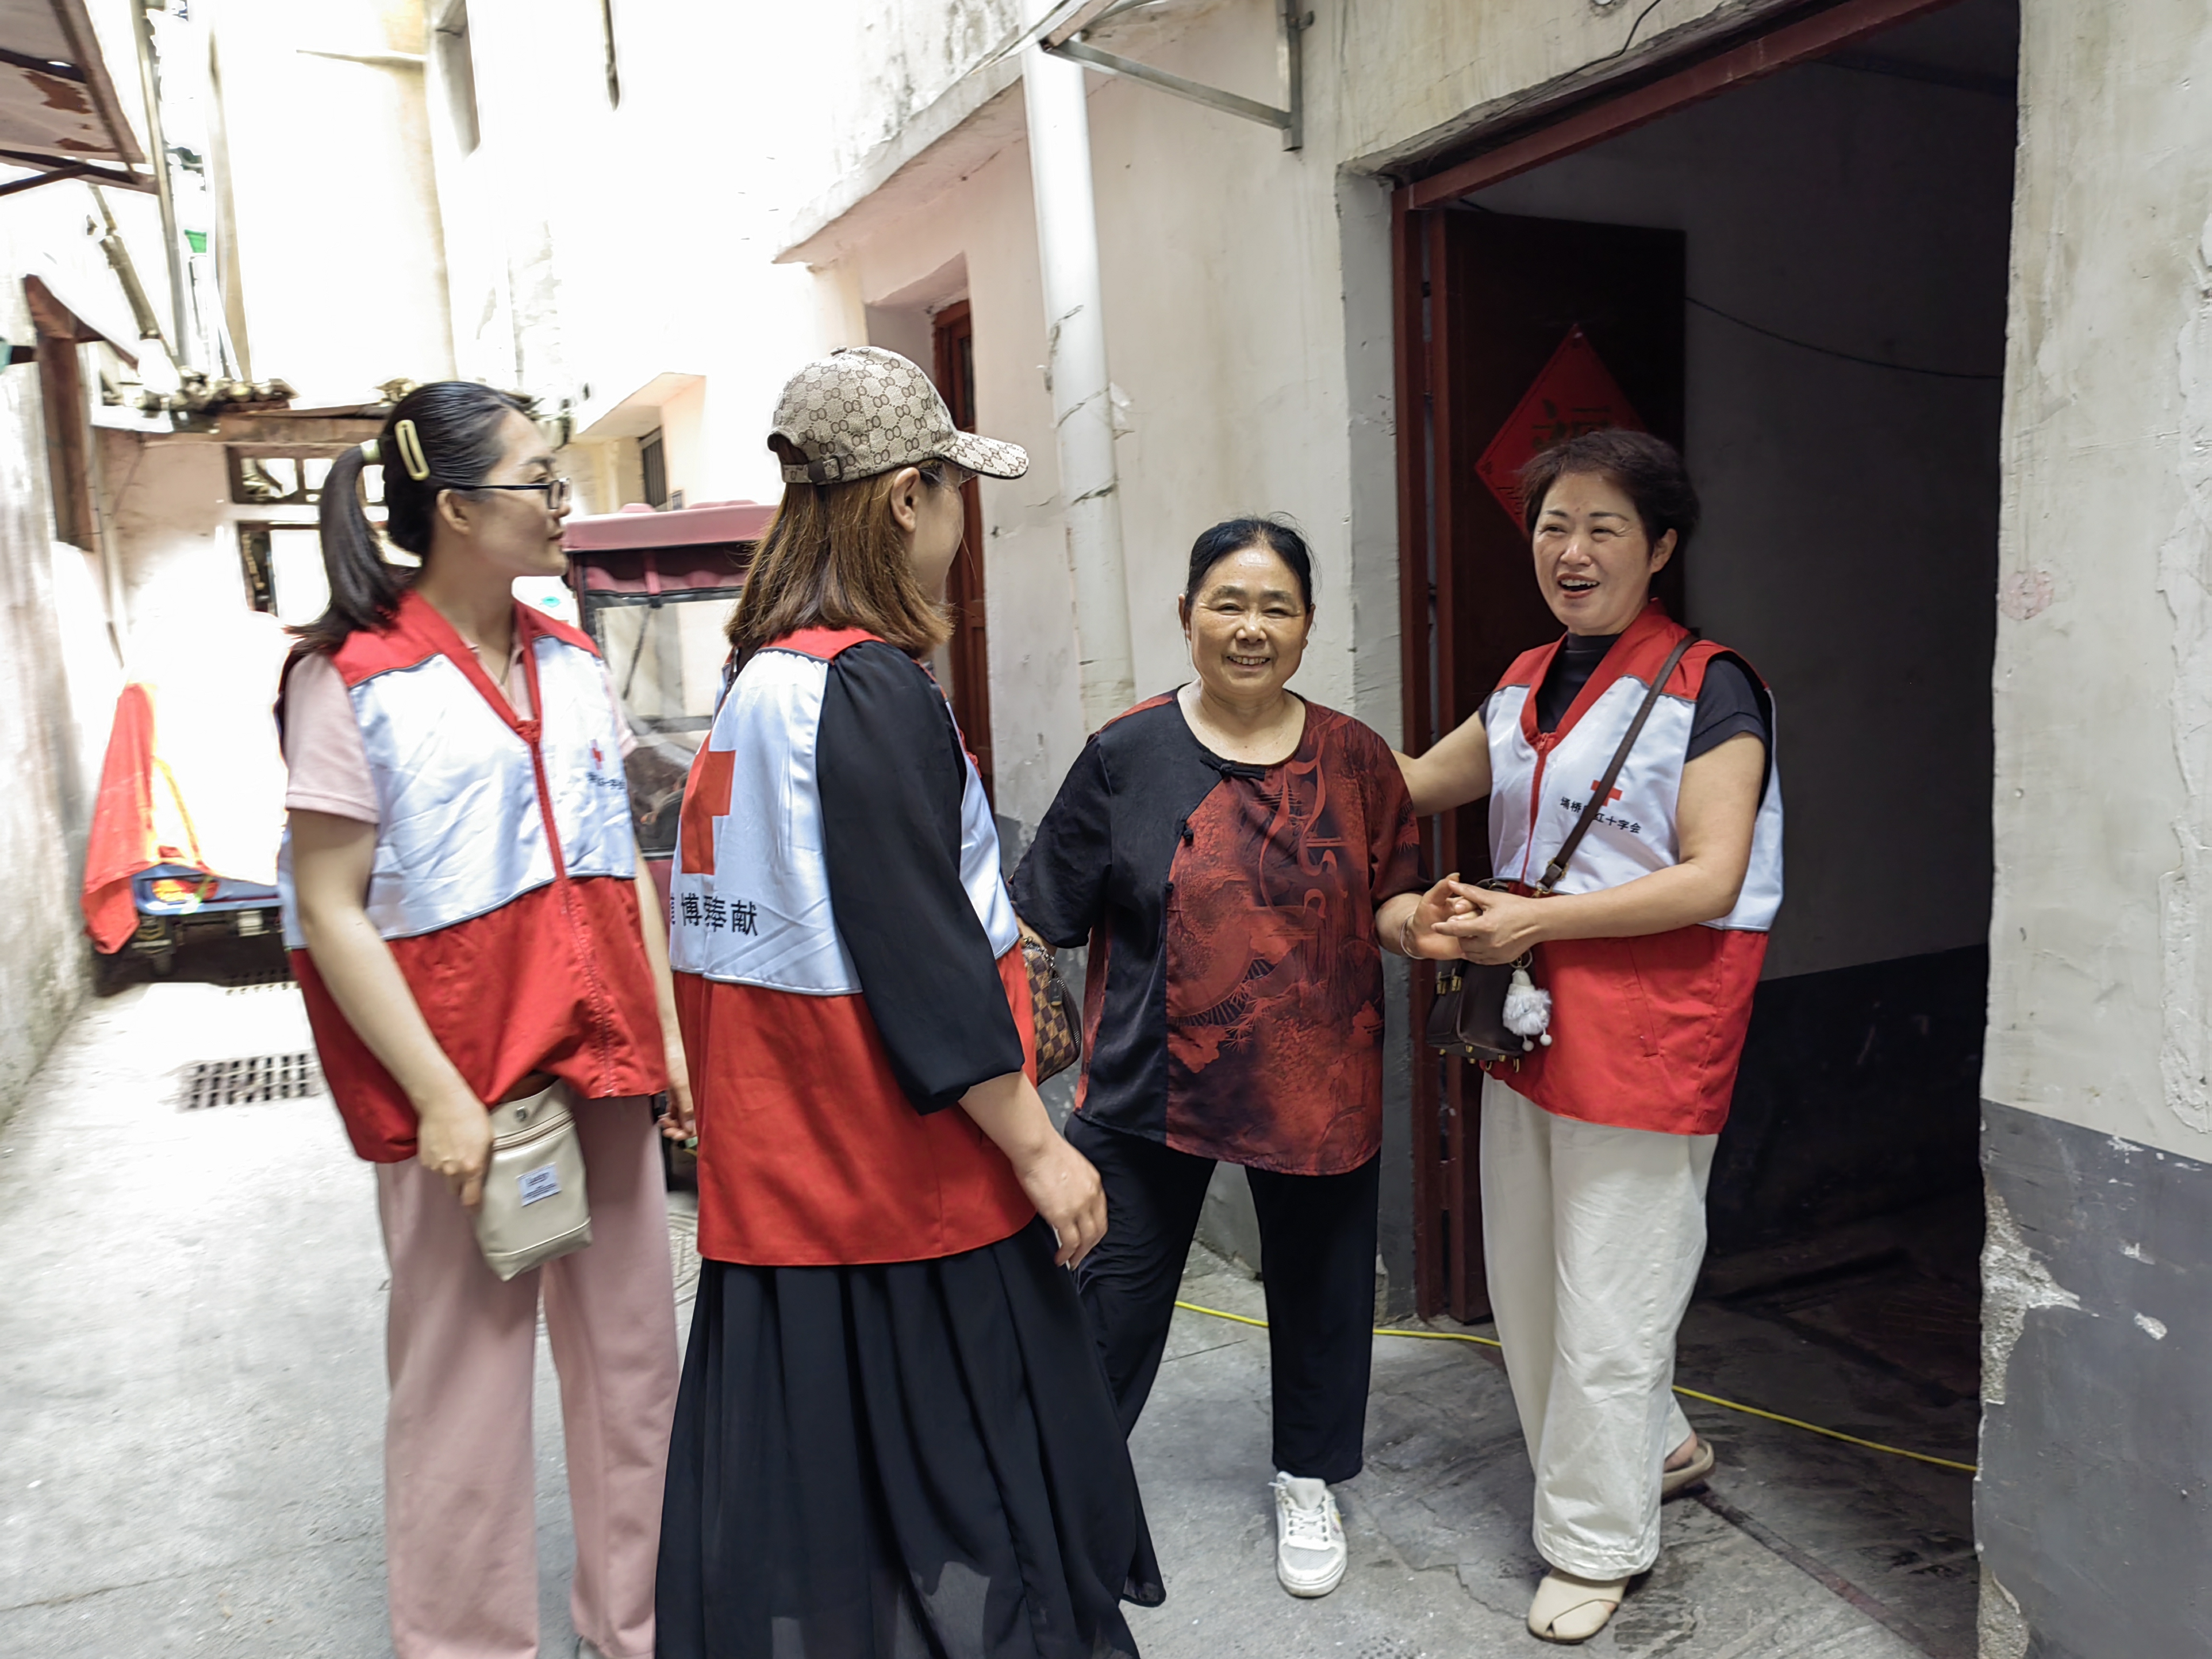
<point x="639" y="550"/>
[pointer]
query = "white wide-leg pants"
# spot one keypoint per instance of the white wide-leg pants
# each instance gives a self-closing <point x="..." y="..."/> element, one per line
<point x="1592" y="1237"/>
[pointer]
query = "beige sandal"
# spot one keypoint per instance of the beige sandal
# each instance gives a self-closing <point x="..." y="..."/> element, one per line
<point x="1571" y="1609"/>
<point x="1674" y="1482"/>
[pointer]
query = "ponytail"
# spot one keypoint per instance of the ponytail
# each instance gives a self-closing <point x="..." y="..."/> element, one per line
<point x="451" y="431"/>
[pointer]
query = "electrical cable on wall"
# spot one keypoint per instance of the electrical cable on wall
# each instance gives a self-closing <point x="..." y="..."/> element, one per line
<point x="1831" y="351"/>
<point x="1621" y="50"/>
<point x="1469" y="205"/>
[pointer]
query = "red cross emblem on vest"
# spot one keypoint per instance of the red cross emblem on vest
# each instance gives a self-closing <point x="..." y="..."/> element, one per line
<point x="706" y="797"/>
<point x="1595" y="786"/>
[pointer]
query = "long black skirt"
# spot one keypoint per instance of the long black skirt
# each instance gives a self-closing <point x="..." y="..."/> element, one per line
<point x="911" y="1461"/>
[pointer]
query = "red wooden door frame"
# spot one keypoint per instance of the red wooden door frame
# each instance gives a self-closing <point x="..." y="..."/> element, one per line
<point x="953" y="334"/>
<point x="1771" y="47"/>
<point x="1447" y="1206"/>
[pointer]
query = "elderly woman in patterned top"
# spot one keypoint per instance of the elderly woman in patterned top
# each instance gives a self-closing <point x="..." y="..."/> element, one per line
<point x="1237" y="859"/>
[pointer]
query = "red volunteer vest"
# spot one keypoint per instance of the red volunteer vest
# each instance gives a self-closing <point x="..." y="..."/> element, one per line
<point x="1647" y="1033"/>
<point x="504" y="880"/>
<point x="809" y="1153"/>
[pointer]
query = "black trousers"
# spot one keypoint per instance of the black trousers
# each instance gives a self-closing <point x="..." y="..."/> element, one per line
<point x="1317" y="1253"/>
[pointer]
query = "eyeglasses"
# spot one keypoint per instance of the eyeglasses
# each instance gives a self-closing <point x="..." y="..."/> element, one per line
<point x="556" y="490"/>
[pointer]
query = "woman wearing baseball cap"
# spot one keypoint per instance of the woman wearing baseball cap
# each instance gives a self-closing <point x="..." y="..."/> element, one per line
<point x="892" y="1434"/>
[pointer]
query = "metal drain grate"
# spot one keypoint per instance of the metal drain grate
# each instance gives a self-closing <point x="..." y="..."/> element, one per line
<point x="257" y="1078"/>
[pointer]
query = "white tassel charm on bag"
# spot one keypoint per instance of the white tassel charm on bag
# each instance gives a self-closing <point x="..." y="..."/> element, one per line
<point x="1527" y="1011"/>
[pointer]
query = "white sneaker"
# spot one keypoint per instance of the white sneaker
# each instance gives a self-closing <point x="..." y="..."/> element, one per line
<point x="1310" y="1551"/>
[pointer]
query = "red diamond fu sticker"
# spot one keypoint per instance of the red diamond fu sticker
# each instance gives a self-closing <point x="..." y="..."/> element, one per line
<point x="1575" y="393"/>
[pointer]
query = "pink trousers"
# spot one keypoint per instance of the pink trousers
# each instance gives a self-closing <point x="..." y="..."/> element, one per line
<point x="460" y="1545"/>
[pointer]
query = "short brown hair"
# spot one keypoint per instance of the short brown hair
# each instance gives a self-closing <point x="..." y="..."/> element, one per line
<point x="1649" y="471"/>
<point x="833" y="558"/>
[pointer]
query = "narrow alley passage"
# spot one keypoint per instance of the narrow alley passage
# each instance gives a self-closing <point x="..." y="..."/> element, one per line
<point x="192" y="1393"/>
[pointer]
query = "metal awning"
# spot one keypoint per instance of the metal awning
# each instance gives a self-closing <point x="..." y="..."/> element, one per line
<point x="58" y="111"/>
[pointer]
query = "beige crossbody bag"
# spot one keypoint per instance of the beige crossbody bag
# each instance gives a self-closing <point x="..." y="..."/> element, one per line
<point x="534" y="1208"/>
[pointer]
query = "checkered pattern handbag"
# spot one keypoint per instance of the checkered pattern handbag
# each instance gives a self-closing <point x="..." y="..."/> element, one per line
<point x="1052" y="1010"/>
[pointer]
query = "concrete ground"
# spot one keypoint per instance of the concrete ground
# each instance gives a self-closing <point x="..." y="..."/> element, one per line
<point x="192" y="1394"/>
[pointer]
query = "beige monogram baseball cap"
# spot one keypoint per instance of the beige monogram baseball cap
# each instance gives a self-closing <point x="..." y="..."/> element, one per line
<point x="864" y="411"/>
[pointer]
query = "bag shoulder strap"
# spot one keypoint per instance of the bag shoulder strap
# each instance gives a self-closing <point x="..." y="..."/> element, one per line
<point x="1558" y="867"/>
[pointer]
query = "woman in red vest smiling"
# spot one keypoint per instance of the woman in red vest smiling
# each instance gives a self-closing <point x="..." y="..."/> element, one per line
<point x="460" y="894"/>
<point x="893" y="1436"/>
<point x="1596" y="1151"/>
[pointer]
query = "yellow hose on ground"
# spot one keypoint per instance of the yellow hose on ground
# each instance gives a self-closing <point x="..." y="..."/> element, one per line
<point x="1688" y="1393"/>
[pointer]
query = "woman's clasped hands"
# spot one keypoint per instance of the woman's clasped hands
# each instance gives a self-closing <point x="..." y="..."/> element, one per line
<point x="1480" y="924"/>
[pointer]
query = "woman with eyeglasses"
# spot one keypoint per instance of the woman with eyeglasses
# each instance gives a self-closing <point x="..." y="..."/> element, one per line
<point x="461" y="901"/>
<point x="1238" y="859"/>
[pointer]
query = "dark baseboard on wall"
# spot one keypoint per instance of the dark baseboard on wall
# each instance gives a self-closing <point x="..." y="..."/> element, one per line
<point x="2093" y="1508"/>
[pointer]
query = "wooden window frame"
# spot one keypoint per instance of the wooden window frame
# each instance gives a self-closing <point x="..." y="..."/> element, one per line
<point x="68" y="414"/>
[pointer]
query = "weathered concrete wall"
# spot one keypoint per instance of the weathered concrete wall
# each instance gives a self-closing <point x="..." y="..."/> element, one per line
<point x="2100" y="994"/>
<point x="58" y="658"/>
<point x="2090" y="1506"/>
<point x="176" y="535"/>
<point x="2099" y="1131"/>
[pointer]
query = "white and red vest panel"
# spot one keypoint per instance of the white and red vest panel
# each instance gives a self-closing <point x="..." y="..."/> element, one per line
<point x="809" y="1152"/>
<point x="1646" y="1032"/>
<point x="504" y="874"/>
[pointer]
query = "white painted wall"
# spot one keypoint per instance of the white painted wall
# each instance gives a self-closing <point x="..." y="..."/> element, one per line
<point x="2101" y="993"/>
<point x="341" y="264"/>
<point x="1226" y="305"/>
<point x="990" y="224"/>
<point x="1848" y="546"/>
<point x="592" y="248"/>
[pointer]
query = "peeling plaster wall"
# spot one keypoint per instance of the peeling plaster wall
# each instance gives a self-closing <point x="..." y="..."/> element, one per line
<point x="2099" y="995"/>
<point x="59" y="671"/>
<point x="2091" y="1506"/>
<point x="1411" y="75"/>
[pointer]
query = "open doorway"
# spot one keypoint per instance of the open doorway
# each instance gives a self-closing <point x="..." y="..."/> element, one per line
<point x="1802" y="279"/>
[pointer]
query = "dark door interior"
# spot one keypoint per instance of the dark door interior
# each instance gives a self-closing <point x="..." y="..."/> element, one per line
<point x="1487" y="302"/>
<point x="970" y="647"/>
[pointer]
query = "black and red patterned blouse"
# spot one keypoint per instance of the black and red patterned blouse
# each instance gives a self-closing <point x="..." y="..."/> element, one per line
<point x="1234" y="1005"/>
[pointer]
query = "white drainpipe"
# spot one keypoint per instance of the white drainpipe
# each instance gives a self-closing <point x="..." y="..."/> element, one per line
<point x="1081" y="407"/>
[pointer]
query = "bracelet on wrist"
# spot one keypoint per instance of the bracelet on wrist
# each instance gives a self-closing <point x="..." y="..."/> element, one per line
<point x="1405" y="935"/>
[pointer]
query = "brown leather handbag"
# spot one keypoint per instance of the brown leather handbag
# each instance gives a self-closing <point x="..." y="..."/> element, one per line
<point x="1052" y="1010"/>
<point x="1468" y="1018"/>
